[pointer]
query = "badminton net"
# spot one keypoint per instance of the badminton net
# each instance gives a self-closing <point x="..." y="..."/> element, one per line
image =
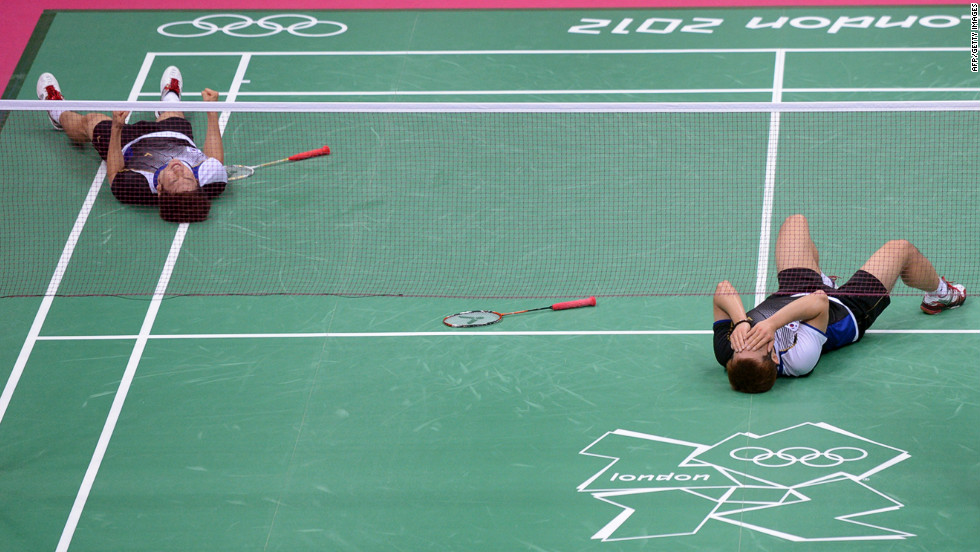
<point x="501" y="200"/>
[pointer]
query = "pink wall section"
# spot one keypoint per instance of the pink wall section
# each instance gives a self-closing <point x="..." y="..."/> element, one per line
<point x="20" y="16"/>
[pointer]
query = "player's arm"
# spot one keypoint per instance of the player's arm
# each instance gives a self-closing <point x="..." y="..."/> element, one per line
<point x="728" y="306"/>
<point x="728" y="303"/>
<point x="213" y="146"/>
<point x="114" y="160"/>
<point x="812" y="309"/>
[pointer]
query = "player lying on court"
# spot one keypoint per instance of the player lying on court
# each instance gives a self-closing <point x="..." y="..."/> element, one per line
<point x="808" y="315"/>
<point x="153" y="163"/>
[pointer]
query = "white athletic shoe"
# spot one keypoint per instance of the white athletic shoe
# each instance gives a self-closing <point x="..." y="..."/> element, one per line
<point x="171" y="81"/>
<point x="934" y="304"/>
<point x="48" y="89"/>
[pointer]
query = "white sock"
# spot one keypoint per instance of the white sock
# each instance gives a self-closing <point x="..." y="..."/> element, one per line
<point x="170" y="96"/>
<point x="56" y="114"/>
<point x="942" y="290"/>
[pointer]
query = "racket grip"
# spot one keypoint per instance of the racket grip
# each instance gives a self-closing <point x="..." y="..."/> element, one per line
<point x="325" y="150"/>
<point x="590" y="302"/>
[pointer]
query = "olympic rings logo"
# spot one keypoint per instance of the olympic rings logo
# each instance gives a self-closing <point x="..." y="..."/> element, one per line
<point x="267" y="26"/>
<point x="811" y="457"/>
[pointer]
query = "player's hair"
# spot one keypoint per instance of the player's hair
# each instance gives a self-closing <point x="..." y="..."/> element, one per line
<point x="192" y="206"/>
<point x="751" y="374"/>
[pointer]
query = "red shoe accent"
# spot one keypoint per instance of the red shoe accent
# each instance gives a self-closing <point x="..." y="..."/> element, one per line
<point x="53" y="93"/>
<point x="174" y="86"/>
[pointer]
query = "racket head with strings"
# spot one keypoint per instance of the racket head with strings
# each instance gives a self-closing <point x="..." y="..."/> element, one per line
<point x="472" y="319"/>
<point x="238" y="172"/>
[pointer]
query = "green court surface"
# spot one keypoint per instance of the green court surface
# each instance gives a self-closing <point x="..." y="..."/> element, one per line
<point x="339" y="413"/>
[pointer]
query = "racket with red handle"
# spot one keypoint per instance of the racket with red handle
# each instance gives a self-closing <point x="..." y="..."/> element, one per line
<point x="238" y="172"/>
<point x="472" y="319"/>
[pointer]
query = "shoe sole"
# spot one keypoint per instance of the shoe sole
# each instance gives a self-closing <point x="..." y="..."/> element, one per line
<point x="928" y="309"/>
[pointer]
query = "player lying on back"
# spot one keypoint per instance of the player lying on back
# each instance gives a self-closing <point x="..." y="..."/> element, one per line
<point x="808" y="315"/>
<point x="153" y="163"/>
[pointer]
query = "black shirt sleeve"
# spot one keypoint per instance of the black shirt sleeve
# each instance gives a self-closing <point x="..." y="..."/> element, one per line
<point x="132" y="188"/>
<point x="214" y="189"/>
<point x="723" y="348"/>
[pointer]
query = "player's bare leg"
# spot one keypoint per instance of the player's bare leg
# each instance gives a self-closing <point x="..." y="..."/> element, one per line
<point x="900" y="259"/>
<point x="795" y="247"/>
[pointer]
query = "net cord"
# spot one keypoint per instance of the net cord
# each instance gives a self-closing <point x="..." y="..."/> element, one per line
<point x="461" y="107"/>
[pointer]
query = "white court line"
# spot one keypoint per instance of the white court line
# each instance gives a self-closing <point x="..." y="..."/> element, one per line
<point x="61" y="267"/>
<point x="59" y="272"/>
<point x="234" y="90"/>
<point x="780" y="52"/>
<point x="85" y="489"/>
<point x="892" y="89"/>
<point x="335" y="53"/>
<point x="585" y="92"/>
<point x="124" y="385"/>
<point x="544" y="333"/>
<point x="854" y="106"/>
<point x="510" y="92"/>
<point x="141" y="78"/>
<point x="769" y="187"/>
<point x="89" y="478"/>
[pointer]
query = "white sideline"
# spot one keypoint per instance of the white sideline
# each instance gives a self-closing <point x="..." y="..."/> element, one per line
<point x="59" y="273"/>
<point x="88" y="480"/>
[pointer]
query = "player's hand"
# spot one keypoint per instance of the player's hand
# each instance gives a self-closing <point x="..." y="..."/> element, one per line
<point x="737" y="338"/>
<point x="761" y="335"/>
<point x="209" y="95"/>
<point x="119" y="118"/>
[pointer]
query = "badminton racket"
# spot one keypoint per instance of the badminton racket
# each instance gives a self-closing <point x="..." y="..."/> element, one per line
<point x="238" y="172"/>
<point x="472" y="319"/>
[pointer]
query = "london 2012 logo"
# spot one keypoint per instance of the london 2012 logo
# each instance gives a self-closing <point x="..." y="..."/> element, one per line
<point x="804" y="483"/>
<point x="243" y="26"/>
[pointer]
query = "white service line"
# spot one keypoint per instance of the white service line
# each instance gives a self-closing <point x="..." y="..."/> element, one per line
<point x="882" y="89"/>
<point x="346" y="53"/>
<point x="513" y="92"/>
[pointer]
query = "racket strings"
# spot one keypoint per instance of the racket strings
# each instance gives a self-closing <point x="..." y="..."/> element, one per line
<point x="236" y="172"/>
<point x="472" y="319"/>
